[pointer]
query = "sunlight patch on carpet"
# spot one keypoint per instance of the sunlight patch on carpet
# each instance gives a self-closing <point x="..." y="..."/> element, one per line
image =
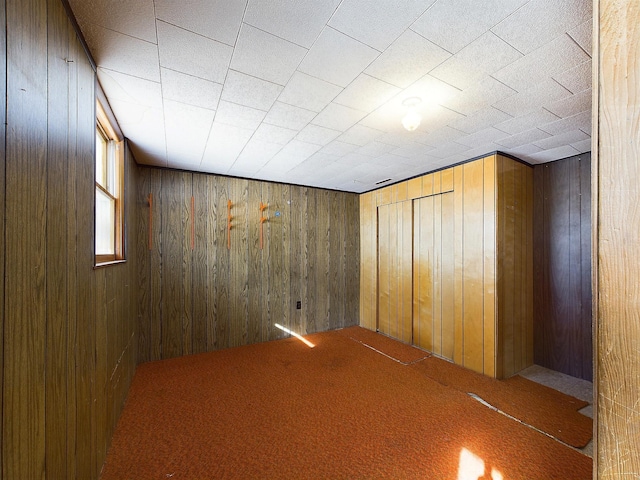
<point x="299" y="337"/>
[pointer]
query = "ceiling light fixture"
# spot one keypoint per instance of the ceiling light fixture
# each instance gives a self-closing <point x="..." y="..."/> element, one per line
<point x="412" y="119"/>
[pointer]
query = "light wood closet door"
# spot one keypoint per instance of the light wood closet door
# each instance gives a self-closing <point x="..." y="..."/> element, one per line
<point x="433" y="271"/>
<point x="395" y="241"/>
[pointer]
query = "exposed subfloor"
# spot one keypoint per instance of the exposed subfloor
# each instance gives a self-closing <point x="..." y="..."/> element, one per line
<point x="576" y="387"/>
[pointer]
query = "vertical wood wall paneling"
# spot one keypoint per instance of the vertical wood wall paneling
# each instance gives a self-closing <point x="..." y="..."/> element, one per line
<point x="311" y="264"/>
<point x="56" y="272"/>
<point x="322" y="260"/>
<point x="222" y="301"/>
<point x="86" y="328"/>
<point x="562" y="267"/>
<point x="423" y="266"/>
<point x="507" y="264"/>
<point x="383" y="259"/>
<point x="448" y="269"/>
<point x="3" y="138"/>
<point x="458" y="259"/>
<point x="172" y="240"/>
<point x="368" y="260"/>
<point x="255" y="264"/>
<point x="616" y="172"/>
<point x="25" y="234"/>
<point x="437" y="267"/>
<point x="493" y="350"/>
<point x="473" y="289"/>
<point x="156" y="265"/>
<point x="405" y="257"/>
<point x="143" y="255"/>
<point x="187" y="264"/>
<point x="239" y="262"/>
<point x="336" y="261"/>
<point x="200" y="277"/>
<point x="75" y="53"/>
<point x="216" y="221"/>
<point x="352" y="269"/>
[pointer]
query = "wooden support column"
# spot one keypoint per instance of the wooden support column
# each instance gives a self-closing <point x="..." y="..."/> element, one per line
<point x="616" y="200"/>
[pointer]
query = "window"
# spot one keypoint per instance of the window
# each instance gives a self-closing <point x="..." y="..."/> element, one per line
<point x="109" y="246"/>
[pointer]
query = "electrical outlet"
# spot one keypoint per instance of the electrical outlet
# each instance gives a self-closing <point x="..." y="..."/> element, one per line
<point x="298" y="305"/>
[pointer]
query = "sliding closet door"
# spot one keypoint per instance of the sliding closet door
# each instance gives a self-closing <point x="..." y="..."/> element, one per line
<point x="433" y="270"/>
<point x="394" y="270"/>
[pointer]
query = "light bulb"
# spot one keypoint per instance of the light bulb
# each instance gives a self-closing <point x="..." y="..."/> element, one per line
<point x="411" y="120"/>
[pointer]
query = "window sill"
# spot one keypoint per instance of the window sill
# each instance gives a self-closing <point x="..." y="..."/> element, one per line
<point x="108" y="264"/>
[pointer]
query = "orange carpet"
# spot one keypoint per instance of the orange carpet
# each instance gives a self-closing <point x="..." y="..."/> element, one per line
<point x="282" y="410"/>
<point x="394" y="349"/>
<point x="551" y="411"/>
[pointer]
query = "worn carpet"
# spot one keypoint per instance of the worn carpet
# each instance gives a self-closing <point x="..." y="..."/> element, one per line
<point x="340" y="410"/>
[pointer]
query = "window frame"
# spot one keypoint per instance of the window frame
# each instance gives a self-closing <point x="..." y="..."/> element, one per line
<point x="115" y="156"/>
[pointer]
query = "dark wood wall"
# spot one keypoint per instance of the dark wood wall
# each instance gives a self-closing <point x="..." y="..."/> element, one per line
<point x="69" y="336"/>
<point x="218" y="295"/>
<point x="562" y="266"/>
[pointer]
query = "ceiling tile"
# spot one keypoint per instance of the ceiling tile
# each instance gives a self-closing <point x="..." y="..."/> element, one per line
<point x="523" y="150"/>
<point x="440" y="136"/>
<point x="481" y="95"/>
<point x="288" y="116"/>
<point x="225" y="144"/>
<point x="193" y="54"/>
<point x="375" y="149"/>
<point x="583" y="35"/>
<point x="412" y="150"/>
<point x="325" y="63"/>
<point x="580" y="121"/>
<point x="255" y="155"/>
<point x="569" y="106"/>
<point x="298" y="21"/>
<point x="377" y="23"/>
<point x="122" y="53"/>
<point x="435" y="117"/>
<point x="553" y="154"/>
<point x="366" y="93"/>
<point x="479" y="120"/>
<point x="127" y="88"/>
<point x="338" y="117"/>
<point x="144" y="127"/>
<point x="409" y="58"/>
<point x="583" y="146"/>
<point x="339" y="149"/>
<point x="547" y="61"/>
<point x="540" y="21"/>
<point x="292" y="154"/>
<point x="308" y="92"/>
<point x="134" y="17"/>
<point x="250" y="91"/>
<point x="525" y="102"/>
<point x="527" y="122"/>
<point x="216" y="19"/>
<point x="519" y="139"/>
<point x="317" y="135"/>
<point x="448" y="150"/>
<point x="187" y="130"/>
<point x="238" y="115"/>
<point x="360" y="135"/>
<point x="570" y="137"/>
<point x="443" y="26"/>
<point x="482" y="137"/>
<point x="266" y="56"/>
<point x="188" y="89"/>
<point x="482" y="57"/>
<point x="275" y="134"/>
<point x="576" y="79"/>
<point x="353" y="159"/>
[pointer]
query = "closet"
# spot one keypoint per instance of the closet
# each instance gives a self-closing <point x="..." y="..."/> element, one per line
<point x="447" y="264"/>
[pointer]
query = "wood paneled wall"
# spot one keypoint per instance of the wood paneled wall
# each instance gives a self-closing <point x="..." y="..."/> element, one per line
<point x="213" y="297"/>
<point x="69" y="330"/>
<point x="492" y="266"/>
<point x="562" y="266"/>
<point x="616" y="170"/>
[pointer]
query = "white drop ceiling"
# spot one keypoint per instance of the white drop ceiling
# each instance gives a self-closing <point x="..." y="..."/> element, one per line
<point x="310" y="92"/>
